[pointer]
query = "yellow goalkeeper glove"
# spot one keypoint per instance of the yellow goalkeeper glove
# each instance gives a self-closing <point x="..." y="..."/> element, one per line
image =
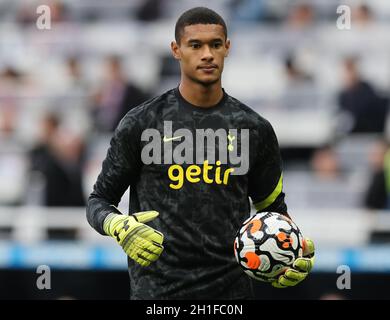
<point x="300" y="268"/>
<point x="140" y="242"/>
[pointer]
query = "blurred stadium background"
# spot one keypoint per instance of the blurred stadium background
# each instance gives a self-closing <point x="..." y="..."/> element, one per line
<point x="62" y="91"/>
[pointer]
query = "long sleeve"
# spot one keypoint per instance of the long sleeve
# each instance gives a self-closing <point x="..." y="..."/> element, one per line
<point x="120" y="170"/>
<point x="266" y="176"/>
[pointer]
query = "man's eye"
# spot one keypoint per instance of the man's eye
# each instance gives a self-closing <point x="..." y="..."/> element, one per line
<point x="217" y="45"/>
<point x="195" y="45"/>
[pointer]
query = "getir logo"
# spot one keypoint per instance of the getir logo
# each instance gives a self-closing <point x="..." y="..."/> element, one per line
<point x="195" y="173"/>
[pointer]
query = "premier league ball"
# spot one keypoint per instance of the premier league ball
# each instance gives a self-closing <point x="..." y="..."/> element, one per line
<point x="267" y="244"/>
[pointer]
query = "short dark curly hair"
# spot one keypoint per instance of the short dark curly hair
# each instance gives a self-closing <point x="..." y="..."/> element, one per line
<point x="198" y="15"/>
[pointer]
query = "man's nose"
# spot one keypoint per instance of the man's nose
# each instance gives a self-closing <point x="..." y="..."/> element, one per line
<point x="207" y="54"/>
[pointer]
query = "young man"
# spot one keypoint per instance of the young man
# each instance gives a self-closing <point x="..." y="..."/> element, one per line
<point x="192" y="158"/>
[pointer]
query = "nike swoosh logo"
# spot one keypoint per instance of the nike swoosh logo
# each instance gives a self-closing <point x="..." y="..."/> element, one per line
<point x="165" y="139"/>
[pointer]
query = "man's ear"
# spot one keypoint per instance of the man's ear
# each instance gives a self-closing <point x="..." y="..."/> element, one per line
<point x="227" y="46"/>
<point x="175" y="50"/>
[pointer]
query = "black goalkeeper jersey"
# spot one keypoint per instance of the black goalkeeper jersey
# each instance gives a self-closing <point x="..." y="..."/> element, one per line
<point x="201" y="202"/>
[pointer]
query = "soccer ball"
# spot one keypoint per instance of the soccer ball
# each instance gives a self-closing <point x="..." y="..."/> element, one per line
<point x="267" y="244"/>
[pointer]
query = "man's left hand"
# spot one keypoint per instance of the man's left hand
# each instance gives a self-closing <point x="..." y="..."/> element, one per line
<point x="300" y="268"/>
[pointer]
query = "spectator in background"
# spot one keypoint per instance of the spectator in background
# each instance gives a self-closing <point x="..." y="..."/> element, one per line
<point x="377" y="195"/>
<point x="115" y="97"/>
<point x="58" y="157"/>
<point x="75" y="81"/>
<point x="300" y="16"/>
<point x="10" y="81"/>
<point x="330" y="185"/>
<point x="362" y="15"/>
<point x="360" y="102"/>
<point x="294" y="73"/>
<point x="150" y="10"/>
<point x="299" y="89"/>
<point x="8" y="119"/>
<point x="325" y="164"/>
<point x="326" y="183"/>
<point x="12" y="84"/>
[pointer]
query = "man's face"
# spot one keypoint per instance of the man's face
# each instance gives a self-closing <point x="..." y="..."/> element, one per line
<point x="201" y="52"/>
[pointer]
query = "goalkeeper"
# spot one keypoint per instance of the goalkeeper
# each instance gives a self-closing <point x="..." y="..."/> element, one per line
<point x="190" y="193"/>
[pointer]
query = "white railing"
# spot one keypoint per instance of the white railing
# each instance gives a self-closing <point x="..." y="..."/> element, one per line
<point x="341" y="238"/>
<point x="30" y="224"/>
<point x="326" y="226"/>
